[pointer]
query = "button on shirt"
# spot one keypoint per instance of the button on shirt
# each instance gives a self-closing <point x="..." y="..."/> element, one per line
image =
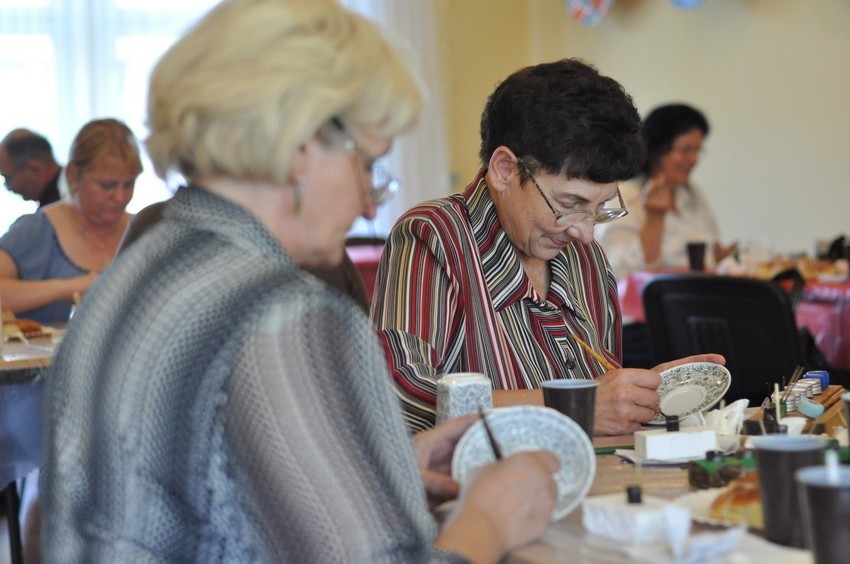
<point x="452" y="296"/>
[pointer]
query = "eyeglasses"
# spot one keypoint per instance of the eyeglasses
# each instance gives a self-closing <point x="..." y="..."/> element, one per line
<point x="384" y="184"/>
<point x="577" y="216"/>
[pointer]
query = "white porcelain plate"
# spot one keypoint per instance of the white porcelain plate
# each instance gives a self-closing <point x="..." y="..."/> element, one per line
<point x="524" y="428"/>
<point x="691" y="388"/>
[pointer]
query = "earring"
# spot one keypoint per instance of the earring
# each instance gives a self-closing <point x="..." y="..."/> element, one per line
<point x="299" y="182"/>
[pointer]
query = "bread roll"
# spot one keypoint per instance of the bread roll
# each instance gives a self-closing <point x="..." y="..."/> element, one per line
<point x="740" y="503"/>
<point x="13" y="328"/>
<point x="29" y="327"/>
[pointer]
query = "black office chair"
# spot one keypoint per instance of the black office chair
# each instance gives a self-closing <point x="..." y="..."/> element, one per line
<point x="750" y="322"/>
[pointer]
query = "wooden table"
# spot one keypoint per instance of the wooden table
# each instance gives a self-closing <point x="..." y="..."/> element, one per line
<point x="566" y="541"/>
<point x="17" y="358"/>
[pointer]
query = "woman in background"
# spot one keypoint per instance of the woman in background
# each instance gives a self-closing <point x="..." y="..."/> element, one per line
<point x="213" y="402"/>
<point x="666" y="209"/>
<point x="49" y="256"/>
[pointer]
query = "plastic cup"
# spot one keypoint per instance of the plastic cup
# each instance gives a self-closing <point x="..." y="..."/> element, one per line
<point x="825" y="507"/>
<point x="778" y="457"/>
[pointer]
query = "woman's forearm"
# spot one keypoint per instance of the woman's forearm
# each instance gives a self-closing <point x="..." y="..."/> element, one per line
<point x="24" y="295"/>
<point x="650" y="237"/>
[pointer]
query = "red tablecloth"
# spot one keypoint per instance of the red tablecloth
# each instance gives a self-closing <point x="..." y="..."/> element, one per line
<point x="824" y="308"/>
<point x="366" y="258"/>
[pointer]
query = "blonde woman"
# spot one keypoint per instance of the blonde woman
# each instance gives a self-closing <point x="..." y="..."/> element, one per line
<point x="48" y="256"/>
<point x="212" y="402"/>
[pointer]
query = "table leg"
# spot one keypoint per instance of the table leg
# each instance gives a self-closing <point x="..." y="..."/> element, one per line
<point x="13" y="509"/>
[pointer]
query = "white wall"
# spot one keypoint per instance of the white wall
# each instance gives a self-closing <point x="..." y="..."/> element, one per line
<point x="773" y="77"/>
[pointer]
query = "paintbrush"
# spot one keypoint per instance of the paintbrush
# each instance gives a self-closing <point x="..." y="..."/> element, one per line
<point x="794" y="377"/>
<point x="497" y="452"/>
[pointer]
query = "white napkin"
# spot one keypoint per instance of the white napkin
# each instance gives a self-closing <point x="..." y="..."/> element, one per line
<point x="654" y="520"/>
<point x="698" y="548"/>
<point x="794" y="424"/>
<point x="730" y="266"/>
<point x="726" y="421"/>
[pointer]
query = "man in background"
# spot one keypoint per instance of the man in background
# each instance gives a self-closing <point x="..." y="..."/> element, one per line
<point x="29" y="167"/>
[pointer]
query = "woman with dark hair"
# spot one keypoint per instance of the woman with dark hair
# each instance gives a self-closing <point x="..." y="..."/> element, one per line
<point x="505" y="278"/>
<point x="666" y="209"/>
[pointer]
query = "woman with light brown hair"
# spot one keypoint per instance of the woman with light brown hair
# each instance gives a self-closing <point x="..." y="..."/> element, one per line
<point x="49" y="256"/>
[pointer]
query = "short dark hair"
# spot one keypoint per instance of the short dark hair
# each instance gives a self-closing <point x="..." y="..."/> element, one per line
<point x="565" y="117"/>
<point x="663" y="125"/>
<point x="30" y="146"/>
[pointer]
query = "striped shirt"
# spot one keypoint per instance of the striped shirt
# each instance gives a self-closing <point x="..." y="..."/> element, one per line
<point x="452" y="296"/>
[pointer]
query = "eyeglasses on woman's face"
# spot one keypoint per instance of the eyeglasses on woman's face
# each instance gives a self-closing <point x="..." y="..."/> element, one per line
<point x="384" y="185"/>
<point x="576" y="214"/>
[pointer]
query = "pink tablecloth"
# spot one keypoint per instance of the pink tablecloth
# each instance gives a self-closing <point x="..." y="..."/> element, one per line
<point x="366" y="258"/>
<point x="824" y="308"/>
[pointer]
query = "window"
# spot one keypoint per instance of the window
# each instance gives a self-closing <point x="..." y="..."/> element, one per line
<point x="64" y="62"/>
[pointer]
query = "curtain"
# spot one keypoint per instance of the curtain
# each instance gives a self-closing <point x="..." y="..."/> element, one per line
<point x="64" y="62"/>
<point x="419" y="158"/>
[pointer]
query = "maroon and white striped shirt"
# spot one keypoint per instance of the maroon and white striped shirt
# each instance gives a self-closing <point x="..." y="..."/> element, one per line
<point x="452" y="296"/>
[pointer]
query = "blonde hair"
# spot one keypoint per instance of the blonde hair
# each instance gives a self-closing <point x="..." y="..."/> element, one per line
<point x="255" y="79"/>
<point x="103" y="139"/>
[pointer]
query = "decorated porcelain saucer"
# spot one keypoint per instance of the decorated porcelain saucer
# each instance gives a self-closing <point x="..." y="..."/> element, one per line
<point x="690" y="388"/>
<point x="523" y="428"/>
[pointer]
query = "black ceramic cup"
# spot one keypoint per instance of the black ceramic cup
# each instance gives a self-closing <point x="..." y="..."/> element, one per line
<point x="574" y="398"/>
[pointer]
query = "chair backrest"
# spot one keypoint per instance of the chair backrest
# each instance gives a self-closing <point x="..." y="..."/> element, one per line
<point x="750" y="322"/>
<point x="365" y="240"/>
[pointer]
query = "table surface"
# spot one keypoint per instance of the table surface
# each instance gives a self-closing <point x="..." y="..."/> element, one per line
<point x="38" y="353"/>
<point x="566" y="540"/>
<point x="21" y="387"/>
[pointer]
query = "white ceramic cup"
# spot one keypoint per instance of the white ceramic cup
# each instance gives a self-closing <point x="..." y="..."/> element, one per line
<point x="460" y="393"/>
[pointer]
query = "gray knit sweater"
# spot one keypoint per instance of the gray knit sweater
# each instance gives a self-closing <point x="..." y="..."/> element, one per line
<point x="213" y="403"/>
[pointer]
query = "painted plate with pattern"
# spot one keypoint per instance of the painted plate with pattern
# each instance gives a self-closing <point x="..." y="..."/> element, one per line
<point x="690" y="388"/>
<point x="524" y="428"/>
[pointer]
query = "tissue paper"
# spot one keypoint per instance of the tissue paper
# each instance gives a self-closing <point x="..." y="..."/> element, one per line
<point x="652" y="520"/>
<point x="729" y="420"/>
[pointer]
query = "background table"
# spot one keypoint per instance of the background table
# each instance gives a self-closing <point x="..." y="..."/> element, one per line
<point x="366" y="258"/>
<point x="22" y="369"/>
<point x="824" y="307"/>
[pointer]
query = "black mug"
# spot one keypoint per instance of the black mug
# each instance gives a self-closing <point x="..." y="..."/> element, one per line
<point x="574" y="398"/>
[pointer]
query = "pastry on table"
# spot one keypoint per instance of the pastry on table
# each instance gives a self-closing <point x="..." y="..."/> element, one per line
<point x="740" y="503"/>
<point x="19" y="328"/>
